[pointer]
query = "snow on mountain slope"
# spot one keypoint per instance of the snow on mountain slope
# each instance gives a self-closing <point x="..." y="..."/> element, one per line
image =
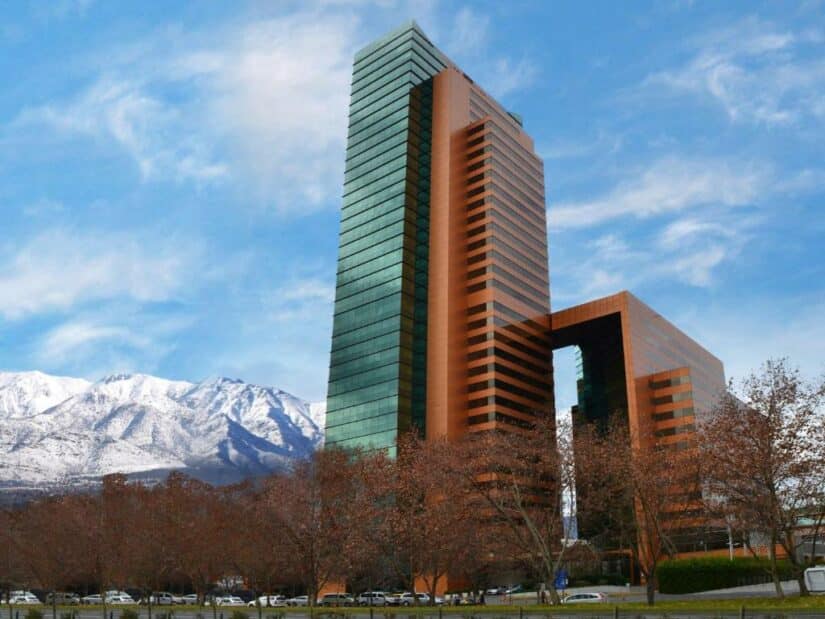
<point x="219" y="429"/>
<point x="23" y="394"/>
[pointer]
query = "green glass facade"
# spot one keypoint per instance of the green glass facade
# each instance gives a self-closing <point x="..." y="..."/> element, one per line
<point x="377" y="385"/>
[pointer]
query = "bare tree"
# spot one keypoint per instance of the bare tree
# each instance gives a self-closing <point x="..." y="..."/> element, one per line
<point x="323" y="513"/>
<point x="425" y="525"/>
<point x="639" y="491"/>
<point x="525" y="479"/>
<point x="764" y="454"/>
<point x="198" y="531"/>
<point x="51" y="550"/>
<point x="12" y="543"/>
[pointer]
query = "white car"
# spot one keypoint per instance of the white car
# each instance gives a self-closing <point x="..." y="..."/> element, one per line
<point x="190" y="598"/>
<point x="298" y="600"/>
<point x="815" y="579"/>
<point x="372" y="598"/>
<point x="409" y="599"/>
<point x="120" y="599"/>
<point x="23" y="597"/>
<point x="229" y="600"/>
<point x="95" y="598"/>
<point x="160" y="598"/>
<point x="582" y="598"/>
<point x="269" y="601"/>
<point x="336" y="599"/>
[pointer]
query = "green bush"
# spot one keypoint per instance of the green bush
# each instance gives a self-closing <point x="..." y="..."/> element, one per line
<point x="33" y="613"/>
<point x="707" y="573"/>
<point x="128" y="613"/>
<point x="238" y="614"/>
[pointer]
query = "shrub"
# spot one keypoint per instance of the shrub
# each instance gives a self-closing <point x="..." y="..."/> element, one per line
<point x="707" y="573"/>
<point x="128" y="613"/>
<point x="34" y="613"/>
<point x="238" y="614"/>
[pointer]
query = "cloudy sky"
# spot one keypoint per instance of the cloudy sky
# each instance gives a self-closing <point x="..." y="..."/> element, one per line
<point x="170" y="173"/>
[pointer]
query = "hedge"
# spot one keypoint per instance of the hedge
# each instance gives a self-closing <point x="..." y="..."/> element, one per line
<point x="708" y="573"/>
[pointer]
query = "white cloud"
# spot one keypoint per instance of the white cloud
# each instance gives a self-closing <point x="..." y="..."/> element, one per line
<point x="680" y="231"/>
<point x="60" y="269"/>
<point x="776" y="327"/>
<point x="508" y="76"/>
<point x="263" y="104"/>
<point x="469" y="32"/>
<point x="602" y="144"/>
<point x="309" y="290"/>
<point x="116" y="337"/>
<point x="691" y="250"/>
<point x="302" y="298"/>
<point x="755" y="72"/>
<point x="66" y="340"/>
<point x="259" y="106"/>
<point x="668" y="185"/>
<point x="696" y="268"/>
<point x="285" y="336"/>
<point x="277" y="94"/>
<point x="143" y="125"/>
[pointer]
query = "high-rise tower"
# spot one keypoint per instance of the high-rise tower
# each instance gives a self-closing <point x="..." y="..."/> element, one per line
<point x="442" y="303"/>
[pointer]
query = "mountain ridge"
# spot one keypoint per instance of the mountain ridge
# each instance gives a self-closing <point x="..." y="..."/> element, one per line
<point x="58" y="431"/>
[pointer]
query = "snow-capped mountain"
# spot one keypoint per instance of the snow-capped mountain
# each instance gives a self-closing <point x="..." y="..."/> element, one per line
<point x="56" y="430"/>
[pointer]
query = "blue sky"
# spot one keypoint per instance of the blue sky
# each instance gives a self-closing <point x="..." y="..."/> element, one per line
<point x="170" y="173"/>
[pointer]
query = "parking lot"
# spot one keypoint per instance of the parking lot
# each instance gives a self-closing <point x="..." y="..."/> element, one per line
<point x="604" y="611"/>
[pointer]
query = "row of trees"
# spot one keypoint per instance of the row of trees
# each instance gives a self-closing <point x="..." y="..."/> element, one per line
<point x="464" y="510"/>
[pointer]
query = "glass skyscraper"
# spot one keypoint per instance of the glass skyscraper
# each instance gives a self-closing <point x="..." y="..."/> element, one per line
<point x="442" y="306"/>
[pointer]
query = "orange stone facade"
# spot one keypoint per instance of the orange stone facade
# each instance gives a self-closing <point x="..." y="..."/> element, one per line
<point x="636" y="363"/>
<point x="488" y="350"/>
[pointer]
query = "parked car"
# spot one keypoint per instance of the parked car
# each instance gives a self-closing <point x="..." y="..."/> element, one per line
<point x="579" y="598"/>
<point x="190" y="598"/>
<point x="23" y="597"/>
<point x="95" y="598"/>
<point x="815" y="579"/>
<point x="298" y="600"/>
<point x="228" y="600"/>
<point x="62" y="598"/>
<point x="393" y="599"/>
<point x="159" y="598"/>
<point x="269" y="601"/>
<point x="372" y="598"/>
<point x="410" y="599"/>
<point x="336" y="599"/>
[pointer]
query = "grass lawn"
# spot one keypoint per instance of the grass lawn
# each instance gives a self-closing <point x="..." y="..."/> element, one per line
<point x="789" y="603"/>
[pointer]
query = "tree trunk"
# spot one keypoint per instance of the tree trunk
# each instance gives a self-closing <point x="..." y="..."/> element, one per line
<point x="54" y="605"/>
<point x="432" y="589"/>
<point x="775" y="568"/>
<point x="800" y="578"/>
<point x="650" y="587"/>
